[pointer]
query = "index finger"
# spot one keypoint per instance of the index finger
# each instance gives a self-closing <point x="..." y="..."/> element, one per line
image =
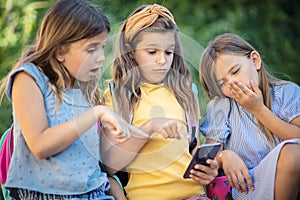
<point x="248" y="180"/>
<point x="182" y="130"/>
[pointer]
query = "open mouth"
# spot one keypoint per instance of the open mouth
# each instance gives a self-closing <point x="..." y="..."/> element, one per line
<point x="95" y="71"/>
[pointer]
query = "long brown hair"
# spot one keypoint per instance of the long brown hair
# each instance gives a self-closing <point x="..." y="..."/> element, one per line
<point x="234" y="45"/>
<point x="65" y="22"/>
<point x="126" y="75"/>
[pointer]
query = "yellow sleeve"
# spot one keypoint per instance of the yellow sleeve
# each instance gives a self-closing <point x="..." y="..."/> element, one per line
<point x="108" y="98"/>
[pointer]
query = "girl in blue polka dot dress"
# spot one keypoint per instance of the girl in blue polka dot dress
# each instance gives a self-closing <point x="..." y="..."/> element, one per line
<point x="256" y="117"/>
<point x="56" y="106"/>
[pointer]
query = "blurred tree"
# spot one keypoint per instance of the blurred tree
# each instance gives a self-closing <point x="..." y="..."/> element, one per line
<point x="272" y="26"/>
<point x="18" y="23"/>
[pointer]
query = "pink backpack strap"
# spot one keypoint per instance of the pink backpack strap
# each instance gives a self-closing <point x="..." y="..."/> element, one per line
<point x="6" y="151"/>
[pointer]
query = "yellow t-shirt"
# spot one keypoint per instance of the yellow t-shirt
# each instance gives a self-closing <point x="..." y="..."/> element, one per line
<point x="157" y="171"/>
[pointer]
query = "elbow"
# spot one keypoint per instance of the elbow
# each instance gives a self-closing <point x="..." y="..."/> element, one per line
<point x="39" y="153"/>
<point x="110" y="170"/>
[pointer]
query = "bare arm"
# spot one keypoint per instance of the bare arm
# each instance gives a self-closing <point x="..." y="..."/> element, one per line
<point x="116" y="190"/>
<point x="117" y="155"/>
<point x="234" y="168"/>
<point x="30" y="112"/>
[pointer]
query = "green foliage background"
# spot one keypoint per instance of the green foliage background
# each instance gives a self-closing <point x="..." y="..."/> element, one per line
<point x="272" y="26"/>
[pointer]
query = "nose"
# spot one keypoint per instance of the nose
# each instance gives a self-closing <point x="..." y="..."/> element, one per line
<point x="161" y="58"/>
<point x="225" y="90"/>
<point x="100" y="56"/>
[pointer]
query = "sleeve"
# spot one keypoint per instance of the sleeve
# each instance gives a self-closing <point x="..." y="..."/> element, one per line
<point x="215" y="125"/>
<point x="33" y="71"/>
<point x="108" y="98"/>
<point x="290" y="102"/>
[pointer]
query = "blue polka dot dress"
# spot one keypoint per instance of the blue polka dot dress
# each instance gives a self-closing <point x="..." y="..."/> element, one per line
<point x="72" y="171"/>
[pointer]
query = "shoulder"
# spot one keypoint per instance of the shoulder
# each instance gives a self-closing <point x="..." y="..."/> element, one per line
<point x="27" y="70"/>
<point x="286" y="88"/>
<point x="285" y="91"/>
<point x="286" y="100"/>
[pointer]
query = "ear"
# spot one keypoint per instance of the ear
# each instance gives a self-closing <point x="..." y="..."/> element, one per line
<point x="60" y="54"/>
<point x="255" y="58"/>
<point x="130" y="51"/>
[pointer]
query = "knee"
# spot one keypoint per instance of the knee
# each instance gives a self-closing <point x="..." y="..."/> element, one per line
<point x="289" y="158"/>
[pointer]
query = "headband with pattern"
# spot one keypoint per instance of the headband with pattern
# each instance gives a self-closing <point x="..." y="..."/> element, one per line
<point x="146" y="18"/>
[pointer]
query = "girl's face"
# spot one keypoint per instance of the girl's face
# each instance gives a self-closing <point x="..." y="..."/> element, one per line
<point x="237" y="67"/>
<point x="154" y="55"/>
<point x="84" y="58"/>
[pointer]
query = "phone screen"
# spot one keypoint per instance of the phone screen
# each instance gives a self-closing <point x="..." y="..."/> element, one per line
<point x="204" y="152"/>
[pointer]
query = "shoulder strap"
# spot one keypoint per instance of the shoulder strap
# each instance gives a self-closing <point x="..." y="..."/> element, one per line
<point x="6" y="151"/>
<point x="193" y="124"/>
<point x="228" y="115"/>
<point x="113" y="96"/>
<point x="115" y="103"/>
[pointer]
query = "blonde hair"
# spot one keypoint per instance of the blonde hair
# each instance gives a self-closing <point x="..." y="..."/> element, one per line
<point x="234" y="45"/>
<point x="125" y="73"/>
<point x="65" y="22"/>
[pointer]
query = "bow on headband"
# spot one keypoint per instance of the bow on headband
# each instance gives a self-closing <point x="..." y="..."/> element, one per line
<point x="146" y="18"/>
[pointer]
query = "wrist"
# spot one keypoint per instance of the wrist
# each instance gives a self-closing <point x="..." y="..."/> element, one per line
<point x="99" y="111"/>
<point x="147" y="127"/>
<point x="259" y="110"/>
<point x="219" y="159"/>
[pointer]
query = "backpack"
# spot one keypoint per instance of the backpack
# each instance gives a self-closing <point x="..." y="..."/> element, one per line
<point x="6" y="151"/>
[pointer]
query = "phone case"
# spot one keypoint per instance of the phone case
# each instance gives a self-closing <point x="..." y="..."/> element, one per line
<point x="204" y="152"/>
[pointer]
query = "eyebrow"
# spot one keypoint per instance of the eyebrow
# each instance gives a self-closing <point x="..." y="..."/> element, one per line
<point x="96" y="43"/>
<point x="155" y="45"/>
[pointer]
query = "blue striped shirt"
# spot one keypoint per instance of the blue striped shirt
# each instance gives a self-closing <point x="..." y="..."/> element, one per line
<point x="232" y="125"/>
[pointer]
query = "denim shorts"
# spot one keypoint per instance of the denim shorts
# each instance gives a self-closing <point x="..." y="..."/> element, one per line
<point x="24" y="194"/>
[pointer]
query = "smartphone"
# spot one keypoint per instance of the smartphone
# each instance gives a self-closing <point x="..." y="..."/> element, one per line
<point x="204" y="152"/>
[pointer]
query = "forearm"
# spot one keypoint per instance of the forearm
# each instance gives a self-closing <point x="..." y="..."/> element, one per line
<point x="118" y="155"/>
<point x="116" y="189"/>
<point x="55" y="139"/>
<point x="277" y="126"/>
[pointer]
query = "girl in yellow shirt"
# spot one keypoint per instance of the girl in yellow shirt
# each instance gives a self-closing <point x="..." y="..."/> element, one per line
<point x="153" y="91"/>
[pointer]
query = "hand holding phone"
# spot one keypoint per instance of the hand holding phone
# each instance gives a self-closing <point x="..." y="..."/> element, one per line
<point x="204" y="152"/>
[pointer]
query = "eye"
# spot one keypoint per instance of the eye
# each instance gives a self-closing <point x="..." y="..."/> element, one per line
<point x="151" y="51"/>
<point x="169" y="52"/>
<point x="236" y="70"/>
<point x="92" y="50"/>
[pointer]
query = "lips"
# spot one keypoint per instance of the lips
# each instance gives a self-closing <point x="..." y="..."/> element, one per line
<point x="95" y="71"/>
<point x="160" y="70"/>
